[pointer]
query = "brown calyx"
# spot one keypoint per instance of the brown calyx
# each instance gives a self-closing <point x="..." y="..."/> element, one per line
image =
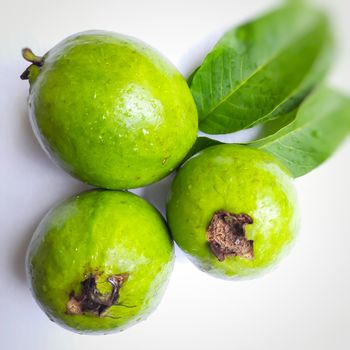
<point x="226" y="235"/>
<point x="91" y="300"/>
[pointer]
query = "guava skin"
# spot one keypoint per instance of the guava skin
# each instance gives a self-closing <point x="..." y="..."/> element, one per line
<point x="103" y="233"/>
<point x="239" y="180"/>
<point x="111" y="110"/>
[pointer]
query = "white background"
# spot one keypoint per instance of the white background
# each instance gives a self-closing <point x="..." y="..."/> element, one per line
<point x="303" y="304"/>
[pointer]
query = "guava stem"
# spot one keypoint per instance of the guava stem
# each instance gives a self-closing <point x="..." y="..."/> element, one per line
<point x="29" y="56"/>
<point x="35" y="60"/>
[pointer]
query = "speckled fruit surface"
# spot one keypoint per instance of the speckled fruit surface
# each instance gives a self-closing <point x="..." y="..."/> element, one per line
<point x="115" y="240"/>
<point x="241" y="188"/>
<point x="111" y="110"/>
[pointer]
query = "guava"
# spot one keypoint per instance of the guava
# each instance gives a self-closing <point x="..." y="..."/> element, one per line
<point x="233" y="210"/>
<point x="100" y="261"/>
<point x="110" y="110"/>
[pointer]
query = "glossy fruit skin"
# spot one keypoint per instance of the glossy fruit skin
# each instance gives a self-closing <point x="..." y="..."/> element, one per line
<point x="105" y="232"/>
<point x="239" y="180"/>
<point x="111" y="110"/>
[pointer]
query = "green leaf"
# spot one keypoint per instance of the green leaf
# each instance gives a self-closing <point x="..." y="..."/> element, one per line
<point x="272" y="126"/>
<point x="262" y="69"/>
<point x="189" y="79"/>
<point x="321" y="123"/>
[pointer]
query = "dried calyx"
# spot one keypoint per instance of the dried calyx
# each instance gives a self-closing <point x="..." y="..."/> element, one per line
<point x="226" y="235"/>
<point x="91" y="300"/>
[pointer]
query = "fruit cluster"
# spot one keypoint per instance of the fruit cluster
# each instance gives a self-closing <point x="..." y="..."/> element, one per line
<point x="117" y="115"/>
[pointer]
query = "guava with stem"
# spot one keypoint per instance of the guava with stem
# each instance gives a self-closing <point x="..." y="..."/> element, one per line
<point x="110" y="110"/>
<point x="233" y="210"/>
<point x="100" y="261"/>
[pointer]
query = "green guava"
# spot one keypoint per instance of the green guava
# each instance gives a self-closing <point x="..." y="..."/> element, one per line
<point x="100" y="262"/>
<point x="233" y="210"/>
<point x="110" y="109"/>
